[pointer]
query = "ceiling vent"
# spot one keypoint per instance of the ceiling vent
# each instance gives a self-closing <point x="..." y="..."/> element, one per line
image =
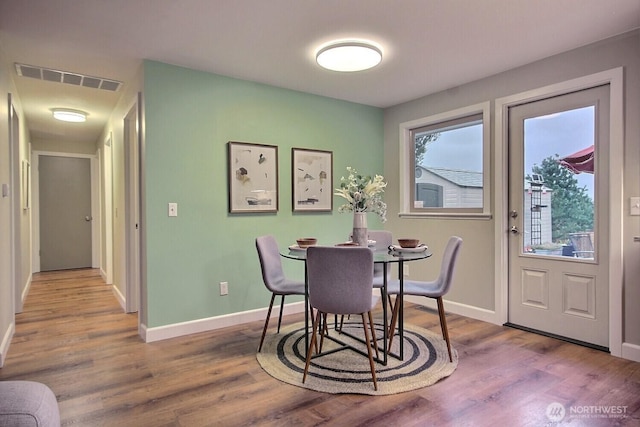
<point x="75" y="79"/>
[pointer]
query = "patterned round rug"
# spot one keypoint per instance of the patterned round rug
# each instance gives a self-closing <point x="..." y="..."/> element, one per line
<point x="426" y="361"/>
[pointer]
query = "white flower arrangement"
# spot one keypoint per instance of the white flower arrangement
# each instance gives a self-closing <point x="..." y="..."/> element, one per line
<point x="363" y="193"/>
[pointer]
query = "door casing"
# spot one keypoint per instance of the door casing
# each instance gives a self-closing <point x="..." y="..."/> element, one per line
<point x="614" y="78"/>
<point x="133" y="223"/>
<point x="566" y="296"/>
<point x="16" y="207"/>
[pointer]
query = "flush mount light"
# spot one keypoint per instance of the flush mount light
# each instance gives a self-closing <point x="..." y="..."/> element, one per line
<point x="348" y="56"/>
<point x="66" y="115"/>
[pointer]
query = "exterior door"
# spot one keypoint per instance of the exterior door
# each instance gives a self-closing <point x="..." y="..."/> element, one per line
<point x="65" y="212"/>
<point x="559" y="226"/>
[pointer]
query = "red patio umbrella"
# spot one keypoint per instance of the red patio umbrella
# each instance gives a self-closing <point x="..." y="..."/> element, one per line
<point x="581" y="161"/>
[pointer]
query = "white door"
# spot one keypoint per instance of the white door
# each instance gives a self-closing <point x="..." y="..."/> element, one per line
<point x="558" y="204"/>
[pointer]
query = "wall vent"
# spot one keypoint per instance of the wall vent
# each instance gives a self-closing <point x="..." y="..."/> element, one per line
<point x="75" y="79"/>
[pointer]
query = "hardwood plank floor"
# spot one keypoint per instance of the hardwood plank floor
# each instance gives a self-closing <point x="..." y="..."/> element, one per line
<point x="74" y="337"/>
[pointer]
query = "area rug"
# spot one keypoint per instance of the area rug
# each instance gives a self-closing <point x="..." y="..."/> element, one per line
<point x="426" y="361"/>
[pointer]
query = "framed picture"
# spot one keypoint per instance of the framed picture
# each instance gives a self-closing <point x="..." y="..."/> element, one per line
<point x="311" y="180"/>
<point x="253" y="177"/>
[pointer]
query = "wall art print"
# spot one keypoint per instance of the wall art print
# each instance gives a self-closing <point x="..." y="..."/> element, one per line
<point x="312" y="180"/>
<point x="253" y="177"/>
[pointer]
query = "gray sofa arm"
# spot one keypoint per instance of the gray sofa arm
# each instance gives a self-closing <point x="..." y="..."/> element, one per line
<point x="28" y="404"/>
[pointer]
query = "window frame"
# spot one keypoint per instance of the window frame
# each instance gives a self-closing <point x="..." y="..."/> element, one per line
<point x="407" y="162"/>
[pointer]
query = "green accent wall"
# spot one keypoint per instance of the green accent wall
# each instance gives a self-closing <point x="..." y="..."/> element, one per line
<point x="189" y="118"/>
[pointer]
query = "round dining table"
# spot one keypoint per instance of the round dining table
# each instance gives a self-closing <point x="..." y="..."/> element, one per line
<point x="394" y="255"/>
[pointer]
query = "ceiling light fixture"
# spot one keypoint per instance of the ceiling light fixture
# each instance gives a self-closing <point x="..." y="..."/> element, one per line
<point x="66" y="115"/>
<point x="349" y="56"/>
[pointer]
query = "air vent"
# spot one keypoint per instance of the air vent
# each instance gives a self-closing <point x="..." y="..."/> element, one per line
<point x="75" y="79"/>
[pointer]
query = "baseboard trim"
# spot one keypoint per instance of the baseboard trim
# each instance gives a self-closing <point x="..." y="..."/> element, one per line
<point x="208" y="324"/>
<point x="25" y="291"/>
<point x="465" y="310"/>
<point x="121" y="299"/>
<point x="6" y="342"/>
<point x="631" y="352"/>
<point x="218" y="322"/>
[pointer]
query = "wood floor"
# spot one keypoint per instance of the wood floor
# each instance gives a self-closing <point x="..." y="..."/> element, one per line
<point x="74" y="337"/>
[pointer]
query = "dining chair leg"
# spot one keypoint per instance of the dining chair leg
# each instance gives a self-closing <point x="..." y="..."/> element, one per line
<point x="311" y="321"/>
<point x="373" y="334"/>
<point x="324" y="330"/>
<point x="281" y="309"/>
<point x="443" y="325"/>
<point x="325" y="327"/>
<point x="266" y="322"/>
<point x="342" y="321"/>
<point x="371" y="363"/>
<point x="392" y="326"/>
<point x="311" y="344"/>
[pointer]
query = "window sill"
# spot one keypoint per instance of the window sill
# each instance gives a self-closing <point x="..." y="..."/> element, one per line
<point x="446" y="215"/>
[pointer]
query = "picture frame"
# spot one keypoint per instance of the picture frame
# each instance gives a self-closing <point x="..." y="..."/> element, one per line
<point x="311" y="180"/>
<point x="252" y="177"/>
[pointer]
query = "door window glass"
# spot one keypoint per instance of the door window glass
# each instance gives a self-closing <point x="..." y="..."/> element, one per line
<point x="559" y="184"/>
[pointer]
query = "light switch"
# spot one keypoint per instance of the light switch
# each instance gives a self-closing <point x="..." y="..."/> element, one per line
<point x="634" y="206"/>
<point x="5" y="190"/>
<point x="173" y="209"/>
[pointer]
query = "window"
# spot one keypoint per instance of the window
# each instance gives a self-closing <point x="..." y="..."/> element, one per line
<point x="445" y="159"/>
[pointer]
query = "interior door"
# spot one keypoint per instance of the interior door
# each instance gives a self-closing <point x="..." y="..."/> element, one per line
<point x="65" y="212"/>
<point x="559" y="226"/>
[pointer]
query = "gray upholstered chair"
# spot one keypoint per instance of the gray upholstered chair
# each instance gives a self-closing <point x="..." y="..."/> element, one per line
<point x="340" y="282"/>
<point x="383" y="239"/>
<point x="274" y="278"/>
<point x="435" y="289"/>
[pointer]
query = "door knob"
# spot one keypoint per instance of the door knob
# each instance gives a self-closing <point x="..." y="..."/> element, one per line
<point x="513" y="214"/>
<point x="87" y="218"/>
<point x="514" y="230"/>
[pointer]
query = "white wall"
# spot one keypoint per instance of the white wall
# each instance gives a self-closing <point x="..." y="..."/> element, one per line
<point x="64" y="146"/>
<point x="114" y="170"/>
<point x="21" y="272"/>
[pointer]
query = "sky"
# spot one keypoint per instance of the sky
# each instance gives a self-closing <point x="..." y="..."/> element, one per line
<point x="563" y="134"/>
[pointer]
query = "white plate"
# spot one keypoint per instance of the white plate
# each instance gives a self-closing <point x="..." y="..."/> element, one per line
<point x="370" y="243"/>
<point x="419" y="248"/>
<point x="296" y="248"/>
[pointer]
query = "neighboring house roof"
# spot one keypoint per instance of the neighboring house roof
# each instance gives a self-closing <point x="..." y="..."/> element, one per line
<point x="459" y="177"/>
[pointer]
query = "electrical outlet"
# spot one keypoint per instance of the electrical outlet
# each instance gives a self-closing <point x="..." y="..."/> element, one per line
<point x="173" y="209"/>
<point x="224" y="288"/>
<point x="405" y="270"/>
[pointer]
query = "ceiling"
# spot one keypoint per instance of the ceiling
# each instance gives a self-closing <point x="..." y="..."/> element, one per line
<point x="428" y="45"/>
